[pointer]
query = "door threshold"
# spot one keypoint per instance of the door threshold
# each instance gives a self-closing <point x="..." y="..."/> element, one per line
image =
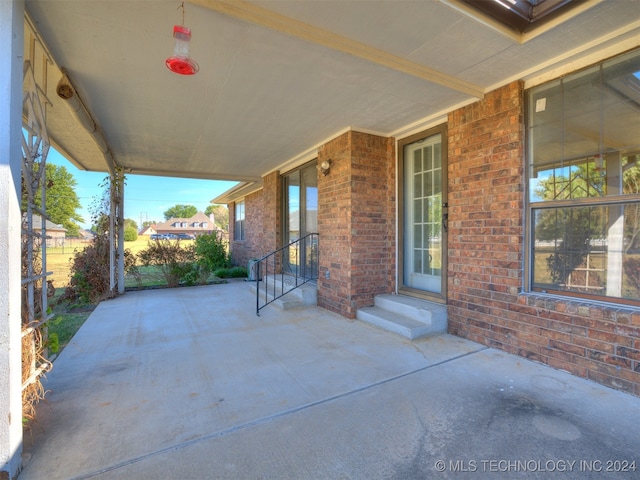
<point x="421" y="294"/>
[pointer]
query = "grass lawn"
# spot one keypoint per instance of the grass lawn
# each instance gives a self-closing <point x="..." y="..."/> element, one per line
<point x="59" y="259"/>
<point x="68" y="318"/>
<point x="152" y="277"/>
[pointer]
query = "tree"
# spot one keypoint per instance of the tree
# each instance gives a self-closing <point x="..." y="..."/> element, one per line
<point x="130" y="233"/>
<point x="91" y="266"/>
<point x="180" y="211"/>
<point x="220" y="214"/>
<point x="211" y="252"/>
<point x="128" y="222"/>
<point x="573" y="228"/>
<point x="62" y="202"/>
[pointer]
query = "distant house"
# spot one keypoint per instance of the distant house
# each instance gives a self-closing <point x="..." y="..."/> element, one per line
<point x="55" y="234"/>
<point x="148" y="230"/>
<point x="86" y="234"/>
<point x="196" y="225"/>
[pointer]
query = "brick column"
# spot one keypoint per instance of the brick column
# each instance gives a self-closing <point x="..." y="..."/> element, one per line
<point x="356" y="222"/>
<point x="486" y="208"/>
<point x="272" y="212"/>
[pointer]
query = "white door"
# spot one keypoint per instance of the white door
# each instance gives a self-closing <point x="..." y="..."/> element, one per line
<point x="423" y="248"/>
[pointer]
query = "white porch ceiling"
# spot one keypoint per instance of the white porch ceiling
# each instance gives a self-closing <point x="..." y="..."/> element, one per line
<point x="279" y="77"/>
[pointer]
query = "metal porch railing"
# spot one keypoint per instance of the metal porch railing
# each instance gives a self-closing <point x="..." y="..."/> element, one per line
<point x="285" y="269"/>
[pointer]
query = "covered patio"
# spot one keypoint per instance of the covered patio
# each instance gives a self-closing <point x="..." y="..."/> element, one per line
<point x="184" y="383"/>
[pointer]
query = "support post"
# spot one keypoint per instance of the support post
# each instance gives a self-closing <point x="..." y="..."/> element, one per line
<point x="120" y="222"/>
<point x="112" y="232"/>
<point x="116" y="231"/>
<point x="11" y="57"/>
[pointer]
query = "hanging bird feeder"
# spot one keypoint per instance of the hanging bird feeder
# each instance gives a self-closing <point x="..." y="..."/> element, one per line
<point x="180" y="62"/>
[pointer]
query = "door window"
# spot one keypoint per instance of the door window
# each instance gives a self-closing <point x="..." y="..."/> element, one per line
<point x="423" y="246"/>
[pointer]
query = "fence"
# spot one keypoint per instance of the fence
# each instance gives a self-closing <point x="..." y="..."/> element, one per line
<point x="65" y="245"/>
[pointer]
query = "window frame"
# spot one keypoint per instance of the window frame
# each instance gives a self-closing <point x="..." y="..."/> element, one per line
<point x="239" y="228"/>
<point x="606" y="201"/>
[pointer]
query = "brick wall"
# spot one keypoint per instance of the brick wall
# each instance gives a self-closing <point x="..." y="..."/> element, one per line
<point x="486" y="248"/>
<point x="272" y="212"/>
<point x="356" y="222"/>
<point x="252" y="246"/>
<point x="263" y="228"/>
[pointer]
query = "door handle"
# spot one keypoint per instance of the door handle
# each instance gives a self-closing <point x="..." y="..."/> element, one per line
<point x="445" y="216"/>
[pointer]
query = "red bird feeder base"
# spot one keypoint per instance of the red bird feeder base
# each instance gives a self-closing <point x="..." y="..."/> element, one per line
<point x="181" y="65"/>
<point x="180" y="62"/>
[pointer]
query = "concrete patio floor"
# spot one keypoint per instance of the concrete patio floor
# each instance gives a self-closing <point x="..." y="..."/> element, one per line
<point x="190" y="384"/>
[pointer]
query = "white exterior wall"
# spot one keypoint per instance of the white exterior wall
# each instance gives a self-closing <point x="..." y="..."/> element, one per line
<point x="11" y="59"/>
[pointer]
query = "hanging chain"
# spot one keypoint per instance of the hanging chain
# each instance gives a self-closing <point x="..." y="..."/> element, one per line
<point x="182" y="7"/>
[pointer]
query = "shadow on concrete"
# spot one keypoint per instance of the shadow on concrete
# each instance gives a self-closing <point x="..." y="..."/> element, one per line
<point x="190" y="384"/>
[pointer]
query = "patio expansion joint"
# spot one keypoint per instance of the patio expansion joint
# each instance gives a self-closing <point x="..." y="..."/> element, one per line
<point x="269" y="418"/>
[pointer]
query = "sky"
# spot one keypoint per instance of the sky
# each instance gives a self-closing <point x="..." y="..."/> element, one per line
<point x="146" y="198"/>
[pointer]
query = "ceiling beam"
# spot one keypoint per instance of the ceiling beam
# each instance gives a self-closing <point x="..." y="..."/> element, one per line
<point x="160" y="172"/>
<point x="257" y="15"/>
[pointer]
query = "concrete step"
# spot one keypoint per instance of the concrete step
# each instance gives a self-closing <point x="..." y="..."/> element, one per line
<point x="406" y="316"/>
<point x="295" y="296"/>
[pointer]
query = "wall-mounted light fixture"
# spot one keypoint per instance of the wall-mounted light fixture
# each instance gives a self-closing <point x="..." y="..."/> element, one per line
<point x="325" y="166"/>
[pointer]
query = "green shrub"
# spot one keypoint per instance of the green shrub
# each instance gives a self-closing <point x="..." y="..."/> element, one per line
<point x="211" y="252"/>
<point x="174" y="260"/>
<point x="130" y="234"/>
<point x="91" y="267"/>
<point x="90" y="279"/>
<point x="193" y="274"/>
<point x="238" y="272"/>
<point x="233" y="272"/>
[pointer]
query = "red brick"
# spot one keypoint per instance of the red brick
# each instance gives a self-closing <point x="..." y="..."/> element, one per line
<point x="360" y="190"/>
<point x="486" y="235"/>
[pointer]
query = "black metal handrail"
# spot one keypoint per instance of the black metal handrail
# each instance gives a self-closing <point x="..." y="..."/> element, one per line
<point x="294" y="265"/>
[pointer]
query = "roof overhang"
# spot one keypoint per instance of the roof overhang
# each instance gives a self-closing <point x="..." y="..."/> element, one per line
<point x="277" y="78"/>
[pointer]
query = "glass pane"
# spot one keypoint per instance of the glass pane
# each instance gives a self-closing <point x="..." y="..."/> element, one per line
<point x="293" y="206"/>
<point x="428" y="154"/>
<point x="631" y="176"/>
<point x="426" y="259"/>
<point x="417" y="261"/>
<point x="417" y="161"/>
<point x="547" y="146"/>
<point x="545" y="104"/>
<point x="310" y="183"/>
<point x="621" y="126"/>
<point x="621" y="76"/>
<point x="594" y="250"/>
<point x="428" y="184"/>
<point x="417" y="185"/>
<point x="417" y="211"/>
<point x="580" y="180"/>
<point x="583" y="122"/>
<point x="417" y="236"/>
<point x="437" y="182"/>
